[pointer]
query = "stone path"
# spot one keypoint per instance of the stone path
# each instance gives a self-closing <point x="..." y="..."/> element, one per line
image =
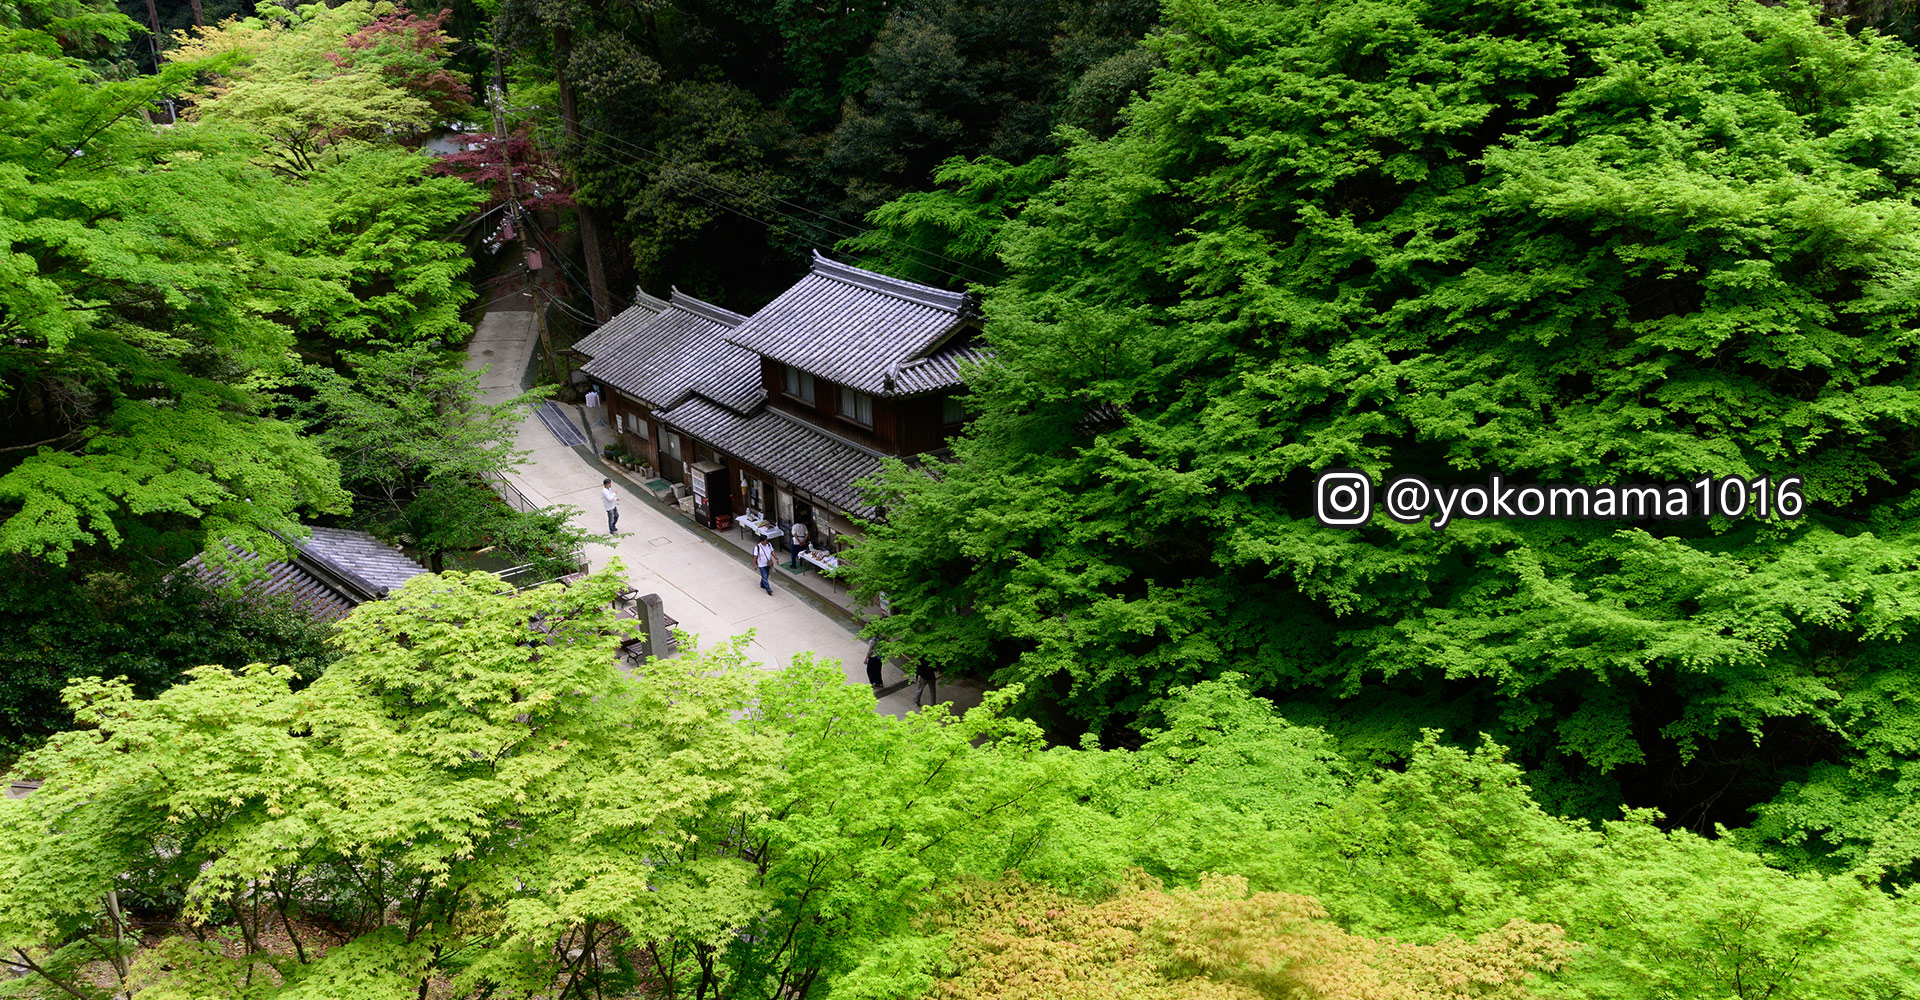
<point x="705" y="581"/>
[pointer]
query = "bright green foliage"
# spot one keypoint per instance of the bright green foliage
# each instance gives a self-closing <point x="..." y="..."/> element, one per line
<point x="386" y="222"/>
<point x="1566" y="242"/>
<point x="508" y="793"/>
<point x="1455" y="844"/>
<point x="66" y="625"/>
<point x="142" y="272"/>
<point x="478" y="797"/>
<point x="872" y="815"/>
<point x="399" y="418"/>
<point x="338" y="97"/>
<point x="419" y="449"/>
<point x="928" y="236"/>
<point x="303" y="90"/>
<point x="1228" y="786"/>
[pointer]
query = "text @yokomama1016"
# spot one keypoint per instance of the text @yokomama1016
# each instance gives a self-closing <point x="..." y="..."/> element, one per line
<point x="1345" y="498"/>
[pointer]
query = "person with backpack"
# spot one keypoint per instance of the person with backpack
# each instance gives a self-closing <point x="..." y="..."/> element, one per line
<point x="763" y="557"/>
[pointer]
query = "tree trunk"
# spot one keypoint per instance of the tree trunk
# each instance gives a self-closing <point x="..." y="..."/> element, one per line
<point x="199" y="13"/>
<point x="576" y="142"/>
<point x="153" y="45"/>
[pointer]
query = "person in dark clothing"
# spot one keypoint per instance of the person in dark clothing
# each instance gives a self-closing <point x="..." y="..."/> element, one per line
<point x="923" y="672"/>
<point x="873" y="664"/>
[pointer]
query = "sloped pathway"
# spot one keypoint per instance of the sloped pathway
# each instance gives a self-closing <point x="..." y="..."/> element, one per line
<point x="704" y="580"/>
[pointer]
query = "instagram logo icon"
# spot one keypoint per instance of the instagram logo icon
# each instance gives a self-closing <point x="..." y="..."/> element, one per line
<point x="1343" y="498"/>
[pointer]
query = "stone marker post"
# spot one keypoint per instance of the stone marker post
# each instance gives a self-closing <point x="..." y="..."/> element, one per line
<point x="658" y="642"/>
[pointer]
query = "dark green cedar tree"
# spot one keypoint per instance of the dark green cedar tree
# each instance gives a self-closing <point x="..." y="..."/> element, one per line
<point x="1567" y="242"/>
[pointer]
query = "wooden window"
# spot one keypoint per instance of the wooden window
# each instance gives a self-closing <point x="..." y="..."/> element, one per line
<point x="799" y="384"/>
<point x="857" y="407"/>
<point x="951" y="412"/>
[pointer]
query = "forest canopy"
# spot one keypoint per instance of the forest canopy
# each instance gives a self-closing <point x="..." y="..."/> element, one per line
<point x="1562" y="242"/>
<point x="476" y="814"/>
<point x="1223" y="247"/>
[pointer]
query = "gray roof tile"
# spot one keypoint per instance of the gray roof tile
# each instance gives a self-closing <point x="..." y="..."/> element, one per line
<point x="281" y="579"/>
<point x="362" y="555"/>
<point x="853" y="327"/>
<point x="940" y="371"/>
<point x="682" y="350"/>
<point x="645" y="307"/>
<point x="334" y="571"/>
<point x="813" y="460"/>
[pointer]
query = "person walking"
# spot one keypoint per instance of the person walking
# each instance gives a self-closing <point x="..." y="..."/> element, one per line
<point x="923" y="672"/>
<point x="799" y="541"/>
<point x="612" y="502"/>
<point x="763" y="557"/>
<point x="593" y="406"/>
<point x="873" y="664"/>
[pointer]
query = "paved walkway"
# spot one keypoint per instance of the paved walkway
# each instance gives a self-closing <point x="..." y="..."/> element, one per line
<point x="704" y="580"/>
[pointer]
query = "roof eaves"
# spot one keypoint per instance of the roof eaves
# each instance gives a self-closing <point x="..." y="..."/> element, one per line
<point x="823" y="432"/>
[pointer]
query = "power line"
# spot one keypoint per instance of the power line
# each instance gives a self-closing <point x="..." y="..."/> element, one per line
<point x="853" y="231"/>
<point x="560" y="258"/>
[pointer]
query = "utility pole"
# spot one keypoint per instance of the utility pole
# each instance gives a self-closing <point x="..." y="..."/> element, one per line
<point x="546" y="344"/>
<point x="515" y="212"/>
<point x="497" y="100"/>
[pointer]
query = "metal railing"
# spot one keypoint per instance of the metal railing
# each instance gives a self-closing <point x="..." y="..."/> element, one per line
<point x="511" y="493"/>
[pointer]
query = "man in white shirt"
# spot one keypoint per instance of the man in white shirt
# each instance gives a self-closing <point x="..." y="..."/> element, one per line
<point x="763" y="557"/>
<point x="799" y="536"/>
<point x="612" y="502"/>
<point x="593" y="407"/>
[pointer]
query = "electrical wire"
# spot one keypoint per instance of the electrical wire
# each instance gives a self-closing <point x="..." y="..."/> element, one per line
<point x="565" y="264"/>
<point x="476" y="220"/>
<point x="658" y="161"/>
<point x="569" y="310"/>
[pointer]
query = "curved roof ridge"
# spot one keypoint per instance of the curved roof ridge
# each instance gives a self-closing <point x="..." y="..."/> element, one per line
<point x="873" y="281"/>
<point x="653" y="302"/>
<point x="705" y="309"/>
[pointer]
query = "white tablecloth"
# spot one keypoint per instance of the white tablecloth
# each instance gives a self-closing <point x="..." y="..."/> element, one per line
<point x="759" y="526"/>
<point x="827" y="565"/>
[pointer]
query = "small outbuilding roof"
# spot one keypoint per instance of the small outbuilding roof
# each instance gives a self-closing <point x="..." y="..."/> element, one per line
<point x="860" y="329"/>
<point x="331" y="573"/>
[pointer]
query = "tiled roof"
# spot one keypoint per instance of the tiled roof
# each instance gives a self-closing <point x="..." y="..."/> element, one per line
<point x="813" y="460"/>
<point x="682" y="350"/>
<point x="363" y="556"/>
<point x="331" y="573"/>
<point x="940" y="371"/>
<point x="645" y="307"/>
<point x="306" y="591"/>
<point x="852" y="327"/>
